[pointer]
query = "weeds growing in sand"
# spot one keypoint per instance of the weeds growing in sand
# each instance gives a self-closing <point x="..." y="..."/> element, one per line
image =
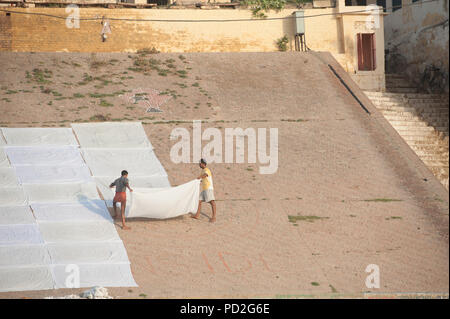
<point x="105" y="103"/>
<point x="95" y="64"/>
<point x="99" y="118"/>
<point x="181" y="73"/>
<point x="41" y="76"/>
<point x="170" y="92"/>
<point x="393" y="217"/>
<point x="86" y="79"/>
<point x="181" y="85"/>
<point x="146" y="51"/>
<point x="311" y="219"/>
<point x="292" y="120"/>
<point x="383" y="200"/>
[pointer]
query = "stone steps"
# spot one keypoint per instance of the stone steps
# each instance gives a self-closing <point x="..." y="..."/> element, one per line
<point x="426" y="149"/>
<point x="374" y="94"/>
<point x="410" y="110"/>
<point x="418" y="131"/>
<point x="420" y="139"/>
<point x="426" y="140"/>
<point x="436" y="163"/>
<point x="403" y="90"/>
<point x="415" y="120"/>
<point x="420" y="119"/>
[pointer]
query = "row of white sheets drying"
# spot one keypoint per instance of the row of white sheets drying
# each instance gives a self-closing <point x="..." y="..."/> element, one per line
<point x="69" y="225"/>
<point x="54" y="165"/>
<point x="36" y="249"/>
<point x="91" y="135"/>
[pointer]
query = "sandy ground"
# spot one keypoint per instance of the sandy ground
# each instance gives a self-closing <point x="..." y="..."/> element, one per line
<point x="372" y="201"/>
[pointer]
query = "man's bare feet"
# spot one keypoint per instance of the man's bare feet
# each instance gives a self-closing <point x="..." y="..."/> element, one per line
<point x="195" y="216"/>
<point x="126" y="227"/>
<point x="212" y="220"/>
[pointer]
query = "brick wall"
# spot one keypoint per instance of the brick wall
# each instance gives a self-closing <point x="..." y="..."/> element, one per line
<point x="5" y="32"/>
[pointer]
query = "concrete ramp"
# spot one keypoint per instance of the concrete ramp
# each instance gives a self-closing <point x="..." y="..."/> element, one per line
<point x="347" y="193"/>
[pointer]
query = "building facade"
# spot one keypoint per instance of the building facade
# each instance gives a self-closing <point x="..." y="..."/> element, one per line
<point x="353" y="35"/>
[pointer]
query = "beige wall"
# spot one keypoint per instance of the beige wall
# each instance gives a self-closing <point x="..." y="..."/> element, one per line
<point x="336" y="34"/>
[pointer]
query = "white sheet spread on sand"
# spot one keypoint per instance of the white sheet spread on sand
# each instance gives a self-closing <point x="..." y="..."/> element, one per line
<point x="111" y="135"/>
<point x="67" y="222"/>
<point x="105" y="275"/>
<point x="93" y="210"/>
<point x="19" y="255"/>
<point x="110" y="162"/>
<point x="3" y="159"/>
<point x="8" y="177"/>
<point x="77" y="232"/>
<point x="39" y="136"/>
<point x="15" y="215"/>
<point x="138" y="181"/>
<point x="49" y="155"/>
<point x="12" y="196"/>
<point x="63" y="193"/>
<point x="44" y="174"/>
<point x="20" y="235"/>
<point x="164" y="202"/>
<point x="26" y="278"/>
<point x="88" y="253"/>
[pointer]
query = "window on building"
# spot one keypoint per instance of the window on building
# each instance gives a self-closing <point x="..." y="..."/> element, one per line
<point x="366" y="52"/>
<point x="382" y="3"/>
<point x="158" y="2"/>
<point x="396" y="5"/>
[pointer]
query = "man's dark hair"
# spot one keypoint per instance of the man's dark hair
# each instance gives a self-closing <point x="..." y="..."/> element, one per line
<point x="202" y="161"/>
<point x="124" y="173"/>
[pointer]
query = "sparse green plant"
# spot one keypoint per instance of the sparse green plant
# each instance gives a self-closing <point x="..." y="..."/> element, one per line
<point x="383" y="200"/>
<point x="99" y="118"/>
<point x="295" y="218"/>
<point x="282" y="43"/>
<point x="258" y="7"/>
<point x="105" y="103"/>
<point x="42" y="76"/>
